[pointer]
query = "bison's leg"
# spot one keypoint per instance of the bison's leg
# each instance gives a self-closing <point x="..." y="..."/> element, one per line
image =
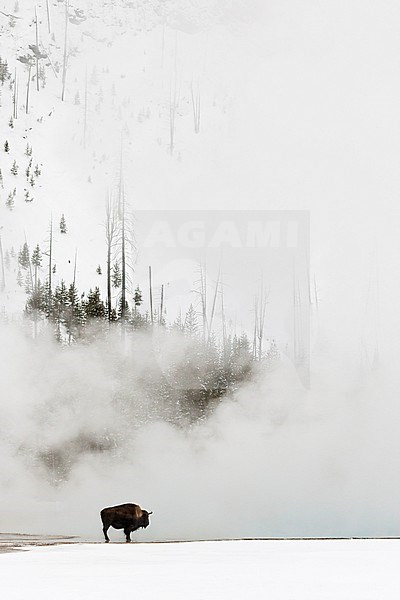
<point x="105" y="529"/>
<point x="127" y="532"/>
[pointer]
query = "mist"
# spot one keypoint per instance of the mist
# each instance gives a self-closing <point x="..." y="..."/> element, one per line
<point x="272" y="460"/>
<point x="299" y="112"/>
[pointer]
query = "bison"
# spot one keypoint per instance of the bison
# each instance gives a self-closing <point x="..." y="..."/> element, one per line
<point x="128" y="517"/>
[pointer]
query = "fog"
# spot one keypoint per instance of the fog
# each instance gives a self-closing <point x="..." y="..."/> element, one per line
<point x="306" y="97"/>
<point x="273" y="460"/>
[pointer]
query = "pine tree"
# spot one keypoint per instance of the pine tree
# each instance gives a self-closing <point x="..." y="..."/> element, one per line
<point x="273" y="352"/>
<point x="116" y="277"/>
<point x="191" y="325"/>
<point x="28" y="150"/>
<point x="14" y="168"/>
<point x="37" y="171"/>
<point x="178" y="324"/>
<point x="28" y="284"/>
<point x="20" y="279"/>
<point x="63" y="225"/>
<point x="60" y="302"/>
<point x="10" y="201"/>
<point x="74" y="314"/>
<point x="11" y="123"/>
<point x="125" y="313"/>
<point x="6" y="146"/>
<point x="28" y="198"/>
<point x="137" y="298"/>
<point x="37" y="257"/>
<point x="32" y="181"/>
<point x="23" y="256"/>
<point x="98" y="270"/>
<point x="94" y="306"/>
<point x="36" y="261"/>
<point x="4" y="72"/>
<point x="240" y="358"/>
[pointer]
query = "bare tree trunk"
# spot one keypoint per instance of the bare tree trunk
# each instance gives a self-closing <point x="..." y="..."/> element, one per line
<point x="27" y="89"/>
<point x="17" y="97"/>
<point x="65" y="50"/>
<point x="260" y="307"/>
<point x="213" y="306"/>
<point x="255" y="329"/>
<point x="261" y="322"/>
<point x="111" y="234"/>
<point x="48" y="16"/>
<point x="203" y="291"/>
<point x="50" y="261"/>
<point x="315" y="293"/>
<point x="109" y="281"/>
<point x="85" y="111"/>
<point x="109" y="240"/>
<point x="121" y="202"/>
<point x="30" y="265"/>
<point x="151" y="297"/>
<point x="73" y="301"/>
<point x="224" y="352"/>
<point x="35" y="309"/>
<point x="37" y="49"/>
<point x="15" y="112"/>
<point x="161" y="305"/>
<point x="196" y="105"/>
<point x="123" y="261"/>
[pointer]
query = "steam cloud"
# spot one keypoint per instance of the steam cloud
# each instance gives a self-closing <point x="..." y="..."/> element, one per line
<point x="275" y="460"/>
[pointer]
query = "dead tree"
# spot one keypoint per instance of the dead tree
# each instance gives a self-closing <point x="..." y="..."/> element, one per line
<point x="151" y="298"/>
<point x="65" y="49"/>
<point x="50" y="254"/>
<point x="15" y="96"/>
<point x="112" y="228"/>
<point x="260" y="308"/>
<point x="196" y="106"/>
<point x="48" y="16"/>
<point x="28" y="84"/>
<point x="37" y="46"/>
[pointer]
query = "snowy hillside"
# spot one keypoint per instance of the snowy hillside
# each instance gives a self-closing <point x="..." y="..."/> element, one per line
<point x="137" y="75"/>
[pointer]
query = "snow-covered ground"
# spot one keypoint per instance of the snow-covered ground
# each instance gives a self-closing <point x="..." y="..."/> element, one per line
<point x="320" y="570"/>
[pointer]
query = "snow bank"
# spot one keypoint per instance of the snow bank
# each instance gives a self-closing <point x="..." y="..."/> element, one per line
<point x="332" y="570"/>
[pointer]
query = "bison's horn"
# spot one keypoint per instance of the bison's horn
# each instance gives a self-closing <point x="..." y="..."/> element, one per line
<point x="150" y="513"/>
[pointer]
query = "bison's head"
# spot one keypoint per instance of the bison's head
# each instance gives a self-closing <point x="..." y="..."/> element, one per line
<point x="145" y="518"/>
